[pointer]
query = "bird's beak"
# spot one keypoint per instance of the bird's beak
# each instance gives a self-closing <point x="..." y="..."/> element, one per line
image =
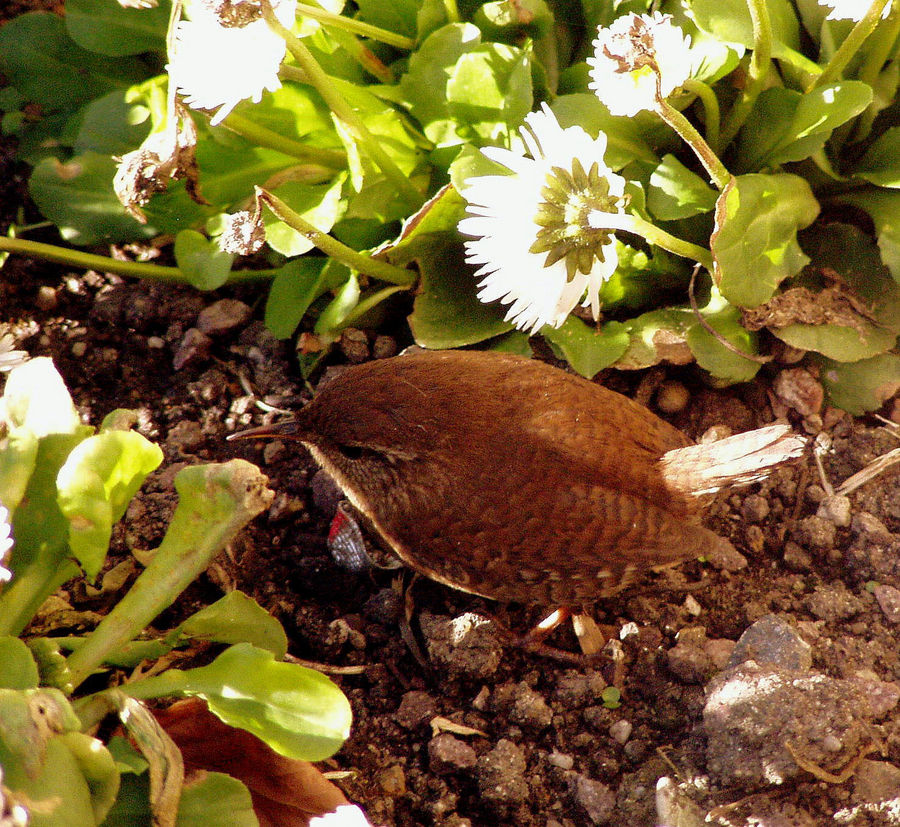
<point x="288" y="428"/>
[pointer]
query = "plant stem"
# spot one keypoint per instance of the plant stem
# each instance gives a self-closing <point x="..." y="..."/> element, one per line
<point x="756" y="72"/>
<point x="716" y="169"/>
<point x="349" y="24"/>
<point x="369" y="302"/>
<point x="260" y="136"/>
<point x="325" y="86"/>
<point x="845" y="52"/>
<point x="653" y="234"/>
<point x="215" y="502"/>
<point x="381" y="270"/>
<point x="710" y="110"/>
<point x="104" y="264"/>
<point x="882" y="45"/>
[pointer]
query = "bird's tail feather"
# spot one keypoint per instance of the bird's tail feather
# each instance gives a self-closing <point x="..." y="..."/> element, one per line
<point x="735" y="460"/>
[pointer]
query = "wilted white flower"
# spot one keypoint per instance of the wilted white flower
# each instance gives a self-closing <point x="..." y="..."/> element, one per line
<point x="532" y="233"/>
<point x="637" y="60"/>
<point x="216" y="67"/>
<point x="6" y="544"/>
<point x="850" y="9"/>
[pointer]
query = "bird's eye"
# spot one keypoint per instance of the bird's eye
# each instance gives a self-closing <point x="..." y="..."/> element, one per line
<point x="351" y="451"/>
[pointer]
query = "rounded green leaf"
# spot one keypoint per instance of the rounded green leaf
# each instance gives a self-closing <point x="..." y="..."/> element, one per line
<point x="105" y="26"/>
<point x="95" y="485"/>
<point x="298" y="712"/>
<point x="754" y="243"/>
<point x="861" y="386"/>
<point x="237" y="618"/>
<point x="586" y="348"/>
<point x="201" y="260"/>
<point x="19" y="669"/>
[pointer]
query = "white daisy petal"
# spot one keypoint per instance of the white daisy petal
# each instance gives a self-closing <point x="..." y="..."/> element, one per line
<point x="502" y="220"/>
<point x="850" y="9"/>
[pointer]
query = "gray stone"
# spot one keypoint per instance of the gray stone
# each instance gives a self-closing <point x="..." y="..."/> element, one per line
<point x="770" y="641"/>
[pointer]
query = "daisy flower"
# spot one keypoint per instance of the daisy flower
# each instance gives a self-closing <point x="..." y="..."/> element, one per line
<point x="532" y="234"/>
<point x="637" y="61"/>
<point x="850" y="9"/>
<point x="346" y="815"/>
<point x="6" y="544"/>
<point x="216" y="66"/>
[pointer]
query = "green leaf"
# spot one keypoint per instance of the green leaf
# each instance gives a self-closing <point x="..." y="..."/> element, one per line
<point x="59" y="782"/>
<point x="729" y="21"/>
<point x="754" y="244"/>
<point x="881" y="163"/>
<point x="861" y="386"/>
<point x="127" y="758"/>
<point x="332" y="318"/>
<point x="489" y="91"/>
<point x="201" y="260"/>
<point x="446" y="312"/>
<point x="397" y="16"/>
<point x="657" y="336"/>
<point x="237" y="618"/>
<point x="297" y="711"/>
<point x="106" y="27"/>
<point x="52" y="666"/>
<point x="716" y="358"/>
<point x="424" y="85"/>
<point x="17" y="459"/>
<point x="839" y="342"/>
<point x="95" y="485"/>
<point x="112" y="126"/>
<point x="509" y="20"/>
<point x="78" y="197"/>
<point x="884" y="208"/>
<point x="215" y="502"/>
<point x="215" y="798"/>
<point x="295" y="287"/>
<point x="40" y="59"/>
<point x="676" y="192"/>
<point x="626" y="138"/>
<point x="98" y="770"/>
<point x="19" y="669"/>
<point x="585" y="348"/>
<point x="786" y="125"/>
<point x="321" y="205"/>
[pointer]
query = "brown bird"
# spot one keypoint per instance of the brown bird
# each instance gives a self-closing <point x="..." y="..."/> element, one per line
<point x="511" y="479"/>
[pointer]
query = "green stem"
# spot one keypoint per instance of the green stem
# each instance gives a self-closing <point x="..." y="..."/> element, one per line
<point x="451" y="10"/>
<point x="653" y="234"/>
<point x="104" y="264"/>
<point x="881" y="47"/>
<point x="710" y="110"/>
<point x="260" y="136"/>
<point x="756" y="72"/>
<point x="325" y="86"/>
<point x="349" y="24"/>
<point x="851" y="45"/>
<point x="369" y="302"/>
<point x="333" y="248"/>
<point x="363" y="55"/>
<point x="689" y="134"/>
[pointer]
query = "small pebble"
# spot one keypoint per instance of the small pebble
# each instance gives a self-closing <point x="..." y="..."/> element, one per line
<point x="561" y="760"/>
<point x="46" y="298"/>
<point x="354" y="345"/>
<point x="222" y="316"/>
<point x="888" y="599"/>
<point x="156" y="342"/>
<point x="835" y="509"/>
<point x="672" y="397"/>
<point x="798" y="389"/>
<point x="79" y="349"/>
<point x="384" y="347"/>
<point x="754" y="508"/>
<point x="449" y="754"/>
<point x="391" y="780"/>
<point x="620" y="731"/>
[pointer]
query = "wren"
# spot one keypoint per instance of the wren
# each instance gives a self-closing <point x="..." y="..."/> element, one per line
<point x="512" y="479"/>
